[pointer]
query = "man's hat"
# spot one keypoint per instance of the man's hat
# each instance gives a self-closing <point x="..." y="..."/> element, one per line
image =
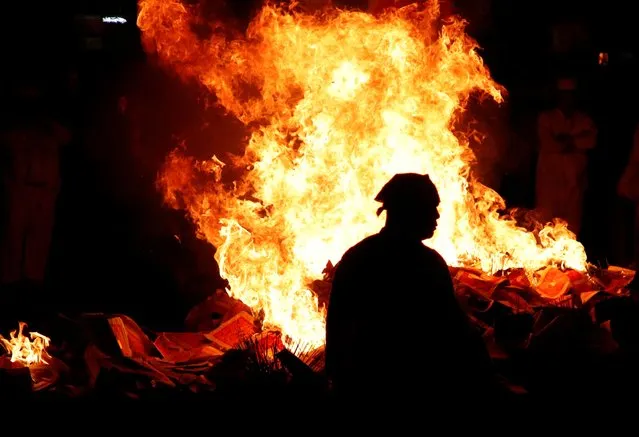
<point x="405" y="190"/>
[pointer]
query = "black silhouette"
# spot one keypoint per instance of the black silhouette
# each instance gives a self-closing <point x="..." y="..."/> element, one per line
<point x="394" y="327"/>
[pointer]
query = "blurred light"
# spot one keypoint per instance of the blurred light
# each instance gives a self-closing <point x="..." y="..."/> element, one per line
<point x="118" y="20"/>
<point x="603" y="58"/>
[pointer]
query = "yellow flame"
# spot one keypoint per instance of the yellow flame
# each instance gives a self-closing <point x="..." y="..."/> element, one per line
<point x="337" y="103"/>
<point x="24" y="350"/>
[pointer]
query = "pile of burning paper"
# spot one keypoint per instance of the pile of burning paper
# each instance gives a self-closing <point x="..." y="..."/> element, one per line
<point x="549" y="287"/>
<point x="27" y="366"/>
<point x="226" y="348"/>
<point x="115" y="355"/>
<point x="557" y="331"/>
<point x="176" y="360"/>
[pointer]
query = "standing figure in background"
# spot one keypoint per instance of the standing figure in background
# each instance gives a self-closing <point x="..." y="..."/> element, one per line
<point x="565" y="136"/>
<point x="628" y="188"/>
<point x="31" y="142"/>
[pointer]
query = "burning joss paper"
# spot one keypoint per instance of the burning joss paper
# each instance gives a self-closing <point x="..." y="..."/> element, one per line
<point x="553" y="283"/>
<point x="233" y="332"/>
<point x="185" y="346"/>
<point x="615" y="279"/>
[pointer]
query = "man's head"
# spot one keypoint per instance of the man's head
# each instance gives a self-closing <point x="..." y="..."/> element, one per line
<point x="566" y="95"/>
<point x="410" y="201"/>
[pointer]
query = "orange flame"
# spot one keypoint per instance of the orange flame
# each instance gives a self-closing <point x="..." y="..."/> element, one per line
<point x="24" y="351"/>
<point x="337" y="103"/>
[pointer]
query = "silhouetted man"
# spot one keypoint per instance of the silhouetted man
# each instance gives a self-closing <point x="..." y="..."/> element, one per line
<point x="395" y="332"/>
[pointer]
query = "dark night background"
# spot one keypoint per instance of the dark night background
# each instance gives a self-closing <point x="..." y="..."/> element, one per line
<point x="114" y="244"/>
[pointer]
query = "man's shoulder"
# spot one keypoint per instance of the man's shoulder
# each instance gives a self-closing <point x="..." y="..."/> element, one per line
<point x="356" y="260"/>
<point x="363" y="248"/>
<point x="374" y="245"/>
<point x="435" y="256"/>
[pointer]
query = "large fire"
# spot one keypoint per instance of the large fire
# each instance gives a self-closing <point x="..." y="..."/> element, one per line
<point x="26" y="350"/>
<point x="337" y="103"/>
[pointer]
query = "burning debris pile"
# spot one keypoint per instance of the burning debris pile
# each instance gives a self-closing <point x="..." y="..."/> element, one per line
<point x="27" y="364"/>
<point x="559" y="332"/>
<point x="225" y="351"/>
<point x="549" y="287"/>
<point x="487" y="298"/>
<point x="111" y="355"/>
